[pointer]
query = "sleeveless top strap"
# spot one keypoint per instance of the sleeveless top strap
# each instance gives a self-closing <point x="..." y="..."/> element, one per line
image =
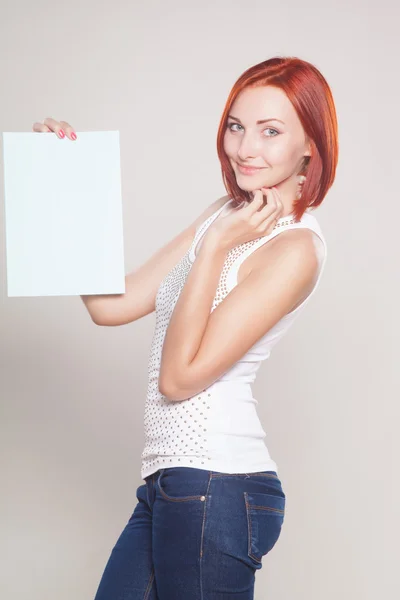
<point x="237" y="255"/>
<point x="203" y="228"/>
<point x="308" y="221"/>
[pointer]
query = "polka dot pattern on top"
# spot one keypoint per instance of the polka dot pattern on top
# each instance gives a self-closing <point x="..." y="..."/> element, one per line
<point x="176" y="432"/>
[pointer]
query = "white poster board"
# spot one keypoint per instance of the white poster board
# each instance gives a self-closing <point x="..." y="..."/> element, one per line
<point x="63" y="214"/>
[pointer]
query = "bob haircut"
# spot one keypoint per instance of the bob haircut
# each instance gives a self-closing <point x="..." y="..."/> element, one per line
<point x="312" y="99"/>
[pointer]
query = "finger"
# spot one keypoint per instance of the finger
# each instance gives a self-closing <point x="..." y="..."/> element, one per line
<point x="54" y="126"/>
<point x="262" y="217"/>
<point x="270" y="208"/>
<point x="254" y="205"/>
<point x="68" y="129"/>
<point x="279" y="205"/>
<point x="40" y="127"/>
<point x="275" y="203"/>
<point x="268" y="224"/>
<point x="271" y="221"/>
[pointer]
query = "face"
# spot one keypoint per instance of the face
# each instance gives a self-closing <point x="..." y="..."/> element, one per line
<point x="276" y="147"/>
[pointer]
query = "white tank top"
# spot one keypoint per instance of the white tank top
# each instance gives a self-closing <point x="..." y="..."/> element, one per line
<point x="217" y="429"/>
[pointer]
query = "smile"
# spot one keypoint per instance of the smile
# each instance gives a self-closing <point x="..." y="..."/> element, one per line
<point x="248" y="170"/>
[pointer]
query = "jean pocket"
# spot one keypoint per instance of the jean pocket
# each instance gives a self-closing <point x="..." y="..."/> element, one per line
<point x="175" y="483"/>
<point x="265" y="516"/>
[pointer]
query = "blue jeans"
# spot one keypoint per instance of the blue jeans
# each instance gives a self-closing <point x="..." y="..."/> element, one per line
<point x="195" y="535"/>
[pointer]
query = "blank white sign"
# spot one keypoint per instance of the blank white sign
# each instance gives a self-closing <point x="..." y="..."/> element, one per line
<point x="63" y="214"/>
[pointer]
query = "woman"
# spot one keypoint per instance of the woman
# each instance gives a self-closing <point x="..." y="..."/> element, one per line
<point x="225" y="291"/>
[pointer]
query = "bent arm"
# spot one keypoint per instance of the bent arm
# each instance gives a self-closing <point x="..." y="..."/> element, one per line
<point x="141" y="285"/>
<point x="200" y="346"/>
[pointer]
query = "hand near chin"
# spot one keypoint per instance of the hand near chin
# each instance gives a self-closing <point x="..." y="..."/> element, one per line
<point x="255" y="219"/>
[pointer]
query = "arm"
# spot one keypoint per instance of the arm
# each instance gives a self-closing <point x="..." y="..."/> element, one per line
<point x="142" y="284"/>
<point x="199" y="347"/>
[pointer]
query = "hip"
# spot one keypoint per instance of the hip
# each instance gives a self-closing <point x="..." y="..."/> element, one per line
<point x="239" y="513"/>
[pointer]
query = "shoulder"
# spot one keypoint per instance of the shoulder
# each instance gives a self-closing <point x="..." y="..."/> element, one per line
<point x="292" y="249"/>
<point x="301" y="240"/>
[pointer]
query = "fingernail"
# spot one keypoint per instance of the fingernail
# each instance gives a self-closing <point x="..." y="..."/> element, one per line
<point x="73" y="135"/>
<point x="61" y="133"/>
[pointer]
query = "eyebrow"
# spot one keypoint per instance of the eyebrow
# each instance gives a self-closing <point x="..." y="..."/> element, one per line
<point x="258" y="122"/>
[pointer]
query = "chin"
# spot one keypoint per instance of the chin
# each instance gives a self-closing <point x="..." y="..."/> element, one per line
<point x="249" y="186"/>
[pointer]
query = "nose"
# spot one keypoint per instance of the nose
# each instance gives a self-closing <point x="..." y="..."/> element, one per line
<point x="249" y="147"/>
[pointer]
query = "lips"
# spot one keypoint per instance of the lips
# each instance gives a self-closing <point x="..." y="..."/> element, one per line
<point x="248" y="170"/>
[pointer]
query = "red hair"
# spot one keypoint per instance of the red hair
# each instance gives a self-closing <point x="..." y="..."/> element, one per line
<point x="312" y="99"/>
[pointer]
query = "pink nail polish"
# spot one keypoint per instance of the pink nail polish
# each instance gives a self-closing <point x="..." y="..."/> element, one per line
<point x="73" y="135"/>
<point x="62" y="134"/>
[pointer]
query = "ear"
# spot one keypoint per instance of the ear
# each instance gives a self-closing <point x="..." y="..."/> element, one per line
<point x="308" y="149"/>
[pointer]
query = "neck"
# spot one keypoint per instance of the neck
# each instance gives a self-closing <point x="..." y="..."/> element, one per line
<point x="288" y="190"/>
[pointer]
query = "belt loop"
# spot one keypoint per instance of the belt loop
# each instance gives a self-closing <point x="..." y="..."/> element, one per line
<point x="160" y="472"/>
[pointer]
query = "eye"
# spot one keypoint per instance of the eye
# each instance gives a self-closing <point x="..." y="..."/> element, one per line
<point x="230" y="125"/>
<point x="270" y="128"/>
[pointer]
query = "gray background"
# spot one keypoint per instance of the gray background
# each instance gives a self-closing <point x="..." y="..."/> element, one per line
<point x="72" y="393"/>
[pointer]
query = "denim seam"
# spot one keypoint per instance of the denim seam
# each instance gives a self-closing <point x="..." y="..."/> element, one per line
<point x="204" y="516"/>
<point x="202" y="536"/>
<point x="269" y="509"/>
<point x="183" y="499"/>
<point x="149" y="585"/>
<point x="249" y="535"/>
<point x="244" y="475"/>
